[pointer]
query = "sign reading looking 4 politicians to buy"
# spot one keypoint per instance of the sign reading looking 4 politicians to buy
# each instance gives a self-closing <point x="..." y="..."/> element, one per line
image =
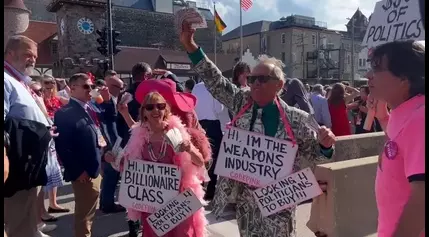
<point x="394" y="20"/>
<point x="253" y="158"/>
<point x="147" y="186"/>
<point x="175" y="212"/>
<point x="287" y="192"/>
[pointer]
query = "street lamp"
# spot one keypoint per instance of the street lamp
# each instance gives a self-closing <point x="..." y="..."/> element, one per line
<point x="353" y="50"/>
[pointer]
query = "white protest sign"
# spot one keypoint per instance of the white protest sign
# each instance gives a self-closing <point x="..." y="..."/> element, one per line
<point x="175" y="212"/>
<point x="394" y="20"/>
<point x="147" y="186"/>
<point x="287" y="192"/>
<point x="253" y="158"/>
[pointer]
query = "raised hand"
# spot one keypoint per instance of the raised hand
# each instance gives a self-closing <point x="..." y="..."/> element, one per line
<point x="187" y="37"/>
<point x="378" y="106"/>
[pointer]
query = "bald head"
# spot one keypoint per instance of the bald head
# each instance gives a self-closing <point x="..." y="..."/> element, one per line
<point x="21" y="53"/>
<point x="115" y="85"/>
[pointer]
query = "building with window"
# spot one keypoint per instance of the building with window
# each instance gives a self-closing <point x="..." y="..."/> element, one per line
<point x="357" y="23"/>
<point x="301" y="42"/>
<point x="67" y="29"/>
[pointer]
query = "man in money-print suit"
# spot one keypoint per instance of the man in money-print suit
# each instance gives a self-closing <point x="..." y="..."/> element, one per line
<point x="263" y="116"/>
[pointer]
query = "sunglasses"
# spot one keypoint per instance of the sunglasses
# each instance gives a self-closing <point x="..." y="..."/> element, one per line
<point x="160" y="106"/>
<point x="48" y="82"/>
<point x="120" y="88"/>
<point x="38" y="92"/>
<point x="88" y="87"/>
<point x="261" y="79"/>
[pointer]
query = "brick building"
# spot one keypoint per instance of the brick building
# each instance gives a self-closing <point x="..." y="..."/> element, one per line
<point x="146" y="26"/>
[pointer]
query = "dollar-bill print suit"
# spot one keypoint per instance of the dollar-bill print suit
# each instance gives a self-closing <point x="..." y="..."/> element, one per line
<point x="250" y="221"/>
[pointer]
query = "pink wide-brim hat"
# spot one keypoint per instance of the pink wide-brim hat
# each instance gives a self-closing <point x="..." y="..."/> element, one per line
<point x="185" y="102"/>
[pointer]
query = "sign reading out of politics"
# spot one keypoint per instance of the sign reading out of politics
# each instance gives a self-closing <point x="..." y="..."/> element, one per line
<point x="394" y="20"/>
<point x="147" y="186"/>
<point x="253" y="158"/>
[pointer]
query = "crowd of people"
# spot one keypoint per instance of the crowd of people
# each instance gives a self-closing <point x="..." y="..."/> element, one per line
<point x="65" y="128"/>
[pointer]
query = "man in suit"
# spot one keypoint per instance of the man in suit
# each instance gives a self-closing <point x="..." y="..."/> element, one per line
<point x="109" y="117"/>
<point x="80" y="146"/>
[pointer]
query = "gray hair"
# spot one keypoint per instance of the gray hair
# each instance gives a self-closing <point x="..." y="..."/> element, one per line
<point x="278" y="66"/>
<point x="18" y="41"/>
<point x="318" y="88"/>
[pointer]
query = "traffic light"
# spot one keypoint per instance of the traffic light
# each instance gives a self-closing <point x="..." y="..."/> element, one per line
<point x="116" y="41"/>
<point x="102" y="40"/>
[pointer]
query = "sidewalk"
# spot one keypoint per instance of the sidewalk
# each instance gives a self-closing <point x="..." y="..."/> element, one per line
<point x="115" y="225"/>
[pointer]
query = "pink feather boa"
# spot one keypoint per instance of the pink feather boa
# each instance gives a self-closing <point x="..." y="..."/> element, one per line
<point x="192" y="176"/>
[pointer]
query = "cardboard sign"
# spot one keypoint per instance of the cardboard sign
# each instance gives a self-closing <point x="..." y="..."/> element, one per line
<point x="287" y="192"/>
<point x="175" y="212"/>
<point x="147" y="186"/>
<point x="394" y="20"/>
<point x="253" y="158"/>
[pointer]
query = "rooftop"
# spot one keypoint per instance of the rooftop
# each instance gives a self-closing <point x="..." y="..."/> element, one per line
<point x="39" y="31"/>
<point x="284" y="22"/>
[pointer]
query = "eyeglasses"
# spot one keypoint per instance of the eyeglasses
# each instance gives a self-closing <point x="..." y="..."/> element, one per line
<point x="261" y="79"/>
<point x="160" y="106"/>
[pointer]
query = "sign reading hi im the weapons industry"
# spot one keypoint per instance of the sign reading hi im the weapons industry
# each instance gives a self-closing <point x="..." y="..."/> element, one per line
<point x="147" y="186"/>
<point x="253" y="158"/>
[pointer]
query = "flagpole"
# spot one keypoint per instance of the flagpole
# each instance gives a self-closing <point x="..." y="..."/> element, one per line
<point x="241" y="32"/>
<point x="215" y="32"/>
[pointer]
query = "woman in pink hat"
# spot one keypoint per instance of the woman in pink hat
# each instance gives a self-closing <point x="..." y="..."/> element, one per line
<point x="182" y="105"/>
<point x="150" y="141"/>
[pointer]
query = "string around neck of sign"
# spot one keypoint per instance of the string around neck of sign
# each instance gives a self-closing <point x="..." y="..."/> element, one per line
<point x="285" y="121"/>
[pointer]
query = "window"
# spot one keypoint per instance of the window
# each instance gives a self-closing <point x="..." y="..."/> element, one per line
<point x="54" y="48"/>
<point x="314" y="39"/>
<point x="283" y="57"/>
<point x="348" y="58"/>
<point x="283" y="38"/>
<point x="360" y="63"/>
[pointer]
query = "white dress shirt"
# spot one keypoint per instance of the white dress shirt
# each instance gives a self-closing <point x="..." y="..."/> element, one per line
<point x="208" y="108"/>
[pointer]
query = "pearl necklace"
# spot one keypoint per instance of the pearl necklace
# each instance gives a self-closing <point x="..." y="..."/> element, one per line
<point x="162" y="151"/>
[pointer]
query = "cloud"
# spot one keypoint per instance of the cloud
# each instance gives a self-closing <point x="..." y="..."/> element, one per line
<point x="333" y="12"/>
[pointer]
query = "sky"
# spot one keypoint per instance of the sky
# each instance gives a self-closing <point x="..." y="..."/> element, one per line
<point x="333" y="12"/>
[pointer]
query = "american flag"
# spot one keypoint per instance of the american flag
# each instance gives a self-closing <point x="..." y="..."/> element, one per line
<point x="246" y="4"/>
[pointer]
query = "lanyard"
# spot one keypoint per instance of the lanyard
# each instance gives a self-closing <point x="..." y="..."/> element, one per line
<point x="288" y="129"/>
<point x="35" y="97"/>
<point x="14" y="75"/>
<point x="93" y="116"/>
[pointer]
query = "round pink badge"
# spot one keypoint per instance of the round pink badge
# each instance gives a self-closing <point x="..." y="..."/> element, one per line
<point x="390" y="149"/>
